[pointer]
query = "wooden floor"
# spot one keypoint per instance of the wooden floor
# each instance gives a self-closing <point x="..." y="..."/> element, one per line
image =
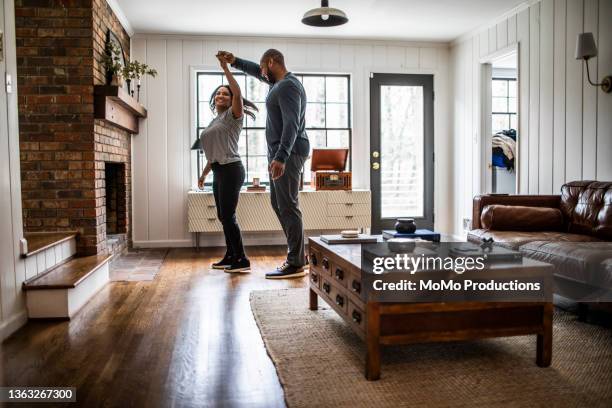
<point x="188" y="338"/>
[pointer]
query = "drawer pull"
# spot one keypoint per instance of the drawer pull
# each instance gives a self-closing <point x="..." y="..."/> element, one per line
<point x="348" y="217"/>
<point x="356" y="286"/>
<point x="314" y="277"/>
<point x="339" y="274"/>
<point x="326" y="287"/>
<point x="339" y="300"/>
<point x="325" y="263"/>
<point x="348" y="204"/>
<point x="356" y="317"/>
<point x="211" y="206"/>
<point x="313" y="260"/>
<point x="211" y="219"/>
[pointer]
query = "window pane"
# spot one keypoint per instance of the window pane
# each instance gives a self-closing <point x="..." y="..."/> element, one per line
<point x="336" y="89"/>
<point x="242" y="142"/>
<point x="315" y="88"/>
<point x="401" y="151"/>
<point x="500" y="88"/>
<point x="513" y="122"/>
<point x="256" y="90"/>
<point x="207" y="84"/>
<point x="258" y="167"/>
<point x="260" y="116"/>
<point x="500" y="122"/>
<point x="337" y="115"/>
<point x="338" y="138"/>
<point x="500" y="104"/>
<point x="511" y="104"/>
<point x="512" y="88"/>
<point x="206" y="114"/>
<point x="317" y="138"/>
<point x="257" y="142"/>
<point x="315" y="115"/>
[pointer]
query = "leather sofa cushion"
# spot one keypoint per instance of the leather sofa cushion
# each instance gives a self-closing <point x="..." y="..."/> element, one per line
<point x="587" y="263"/>
<point x="514" y="239"/>
<point x="587" y="206"/>
<point x="521" y="218"/>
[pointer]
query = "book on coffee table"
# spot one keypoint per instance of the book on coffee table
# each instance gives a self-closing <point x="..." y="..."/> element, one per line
<point x="339" y="239"/>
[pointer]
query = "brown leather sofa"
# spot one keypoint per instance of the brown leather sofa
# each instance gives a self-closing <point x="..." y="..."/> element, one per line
<point x="572" y="231"/>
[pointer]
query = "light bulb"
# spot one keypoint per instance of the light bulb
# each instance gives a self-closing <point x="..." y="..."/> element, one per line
<point x="325" y="17"/>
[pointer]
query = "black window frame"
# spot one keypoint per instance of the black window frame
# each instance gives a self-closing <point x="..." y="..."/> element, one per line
<point x="248" y="180"/>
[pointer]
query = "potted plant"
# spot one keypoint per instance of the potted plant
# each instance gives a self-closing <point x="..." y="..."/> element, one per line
<point x="136" y="70"/>
<point x="112" y="62"/>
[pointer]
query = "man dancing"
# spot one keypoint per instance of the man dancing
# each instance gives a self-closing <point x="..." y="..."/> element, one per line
<point x="288" y="149"/>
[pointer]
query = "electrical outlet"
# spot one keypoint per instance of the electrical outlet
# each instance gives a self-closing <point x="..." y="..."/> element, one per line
<point x="467" y="224"/>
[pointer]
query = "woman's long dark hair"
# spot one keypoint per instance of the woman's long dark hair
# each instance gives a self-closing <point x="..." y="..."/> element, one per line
<point x="248" y="106"/>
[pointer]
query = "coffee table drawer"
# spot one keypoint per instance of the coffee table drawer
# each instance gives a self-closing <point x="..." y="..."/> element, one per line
<point x="315" y="278"/>
<point x="334" y="295"/>
<point x="339" y="274"/>
<point x="357" y="316"/>
<point x="319" y="262"/>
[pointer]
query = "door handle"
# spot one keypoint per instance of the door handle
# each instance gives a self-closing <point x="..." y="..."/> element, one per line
<point x="376" y="165"/>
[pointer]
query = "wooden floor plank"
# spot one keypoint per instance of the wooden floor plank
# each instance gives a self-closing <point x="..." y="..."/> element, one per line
<point x="187" y="338"/>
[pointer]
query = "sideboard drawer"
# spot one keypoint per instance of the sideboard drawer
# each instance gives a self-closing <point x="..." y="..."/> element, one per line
<point x="348" y="197"/>
<point x="340" y="210"/>
<point x="210" y="224"/>
<point x="348" y="221"/>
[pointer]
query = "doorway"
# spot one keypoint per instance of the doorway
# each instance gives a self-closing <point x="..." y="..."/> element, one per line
<point x="401" y="149"/>
<point x="501" y="122"/>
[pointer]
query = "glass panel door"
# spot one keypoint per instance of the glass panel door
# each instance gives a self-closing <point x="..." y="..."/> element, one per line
<point x="401" y="156"/>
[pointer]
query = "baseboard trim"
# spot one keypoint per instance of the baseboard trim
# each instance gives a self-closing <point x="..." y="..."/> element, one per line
<point x="12" y="324"/>
<point x="179" y="243"/>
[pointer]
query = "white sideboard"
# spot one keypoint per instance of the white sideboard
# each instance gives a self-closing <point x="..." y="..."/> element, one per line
<point x="321" y="210"/>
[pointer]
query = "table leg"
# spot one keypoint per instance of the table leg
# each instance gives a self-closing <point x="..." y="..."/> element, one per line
<point x="373" y="342"/>
<point x="544" y="342"/>
<point x="314" y="300"/>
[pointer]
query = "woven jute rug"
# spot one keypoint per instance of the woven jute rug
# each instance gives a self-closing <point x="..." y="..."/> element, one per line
<point x="320" y="363"/>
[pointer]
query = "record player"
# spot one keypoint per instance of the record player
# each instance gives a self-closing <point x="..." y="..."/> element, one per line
<point x="327" y="168"/>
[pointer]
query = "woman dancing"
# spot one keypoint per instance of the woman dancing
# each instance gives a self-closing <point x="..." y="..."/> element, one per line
<point x="220" y="144"/>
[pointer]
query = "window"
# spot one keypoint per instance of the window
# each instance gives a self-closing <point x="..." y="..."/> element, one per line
<point x="504" y="104"/>
<point x="328" y="118"/>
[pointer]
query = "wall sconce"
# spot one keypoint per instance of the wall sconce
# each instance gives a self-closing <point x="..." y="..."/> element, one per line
<point x="585" y="49"/>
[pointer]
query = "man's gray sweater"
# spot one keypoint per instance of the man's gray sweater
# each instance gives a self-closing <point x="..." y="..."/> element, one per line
<point x="286" y="119"/>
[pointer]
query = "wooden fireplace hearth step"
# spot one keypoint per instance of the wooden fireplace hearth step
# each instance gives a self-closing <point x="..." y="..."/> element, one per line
<point x="40" y="241"/>
<point x="62" y="291"/>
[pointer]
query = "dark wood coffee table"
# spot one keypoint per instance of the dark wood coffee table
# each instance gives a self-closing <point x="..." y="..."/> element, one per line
<point x="335" y="277"/>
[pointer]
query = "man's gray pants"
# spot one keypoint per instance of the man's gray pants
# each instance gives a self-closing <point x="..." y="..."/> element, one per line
<point x="284" y="193"/>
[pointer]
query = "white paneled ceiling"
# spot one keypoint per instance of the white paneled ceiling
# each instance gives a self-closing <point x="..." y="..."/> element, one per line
<point x="421" y="20"/>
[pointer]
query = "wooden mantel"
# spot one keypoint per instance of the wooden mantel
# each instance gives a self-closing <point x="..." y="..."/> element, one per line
<point x="115" y="105"/>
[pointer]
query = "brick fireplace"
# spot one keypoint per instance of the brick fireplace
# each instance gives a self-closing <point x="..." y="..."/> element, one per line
<point x="66" y="154"/>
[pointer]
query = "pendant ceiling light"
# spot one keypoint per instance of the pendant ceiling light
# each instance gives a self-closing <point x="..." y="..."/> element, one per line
<point x="324" y="16"/>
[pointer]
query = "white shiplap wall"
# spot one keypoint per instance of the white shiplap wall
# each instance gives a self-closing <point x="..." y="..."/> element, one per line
<point x="161" y="168"/>
<point x="12" y="267"/>
<point x="565" y="124"/>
